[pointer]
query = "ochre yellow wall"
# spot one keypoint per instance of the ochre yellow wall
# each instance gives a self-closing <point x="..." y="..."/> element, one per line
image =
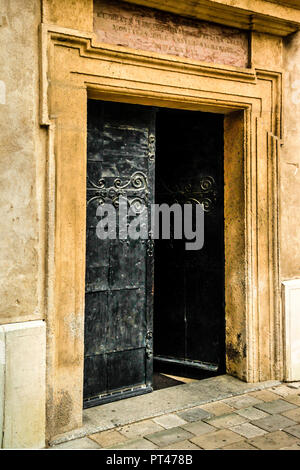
<point x="22" y="165"/>
<point x="75" y="14"/>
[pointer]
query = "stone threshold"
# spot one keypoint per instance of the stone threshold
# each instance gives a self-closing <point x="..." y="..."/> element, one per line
<point x="160" y="402"/>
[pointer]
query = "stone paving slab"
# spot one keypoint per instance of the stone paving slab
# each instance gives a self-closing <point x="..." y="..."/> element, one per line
<point x="226" y="421"/>
<point x="217" y="408"/>
<point x="273" y="441"/>
<point x="242" y="402"/>
<point x="293" y="414"/>
<point x="217" y="439"/>
<point x="252" y="413"/>
<point x="241" y="445"/>
<point x="108" y="439"/>
<point x="169" y="421"/>
<point x="169" y="436"/>
<point x="294" y="399"/>
<point x="136" y="444"/>
<point x="198" y="428"/>
<point x="182" y="445"/>
<point x="248" y="430"/>
<point x="274" y="423"/>
<point x="293" y="447"/>
<point x="276" y="406"/>
<point x="294" y="430"/>
<point x="83" y="443"/>
<point x="264" y="395"/>
<point x="194" y="414"/>
<point x="294" y="385"/>
<point x="140" y="429"/>
<point x="284" y="390"/>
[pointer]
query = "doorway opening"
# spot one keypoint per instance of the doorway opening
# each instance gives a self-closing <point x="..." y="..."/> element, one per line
<point x="149" y="155"/>
<point x="189" y="306"/>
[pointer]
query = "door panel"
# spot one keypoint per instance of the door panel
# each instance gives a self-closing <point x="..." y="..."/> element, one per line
<point x="95" y="323"/>
<point x="127" y="326"/>
<point x="189" y="285"/>
<point x="126" y="369"/>
<point x="95" y="374"/>
<point x="119" y="273"/>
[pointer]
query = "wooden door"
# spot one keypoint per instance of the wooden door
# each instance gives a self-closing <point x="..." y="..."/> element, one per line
<point x="119" y="273"/>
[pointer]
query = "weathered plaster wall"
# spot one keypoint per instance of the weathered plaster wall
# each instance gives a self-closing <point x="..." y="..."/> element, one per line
<point x="290" y="162"/>
<point x="75" y="14"/>
<point x="235" y="256"/>
<point x="266" y="51"/>
<point x="21" y="164"/>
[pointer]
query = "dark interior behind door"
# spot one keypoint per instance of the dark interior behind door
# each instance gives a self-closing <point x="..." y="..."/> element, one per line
<point x="189" y="285"/>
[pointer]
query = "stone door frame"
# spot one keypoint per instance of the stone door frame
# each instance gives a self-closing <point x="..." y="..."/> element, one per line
<point x="74" y="68"/>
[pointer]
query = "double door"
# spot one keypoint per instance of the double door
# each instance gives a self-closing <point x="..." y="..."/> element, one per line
<point x="129" y="146"/>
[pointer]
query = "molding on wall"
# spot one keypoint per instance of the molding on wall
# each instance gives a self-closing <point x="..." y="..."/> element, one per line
<point x="286" y="3"/>
<point x="239" y="16"/>
<point x="74" y="67"/>
<point x="88" y="46"/>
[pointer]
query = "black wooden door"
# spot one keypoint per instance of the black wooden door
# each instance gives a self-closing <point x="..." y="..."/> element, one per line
<point x="189" y="285"/>
<point x="119" y="273"/>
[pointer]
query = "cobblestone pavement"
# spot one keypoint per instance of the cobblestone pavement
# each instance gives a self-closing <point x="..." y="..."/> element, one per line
<point x="263" y="420"/>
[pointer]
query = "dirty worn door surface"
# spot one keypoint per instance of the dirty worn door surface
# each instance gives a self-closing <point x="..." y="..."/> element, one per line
<point x="189" y="311"/>
<point x="118" y="300"/>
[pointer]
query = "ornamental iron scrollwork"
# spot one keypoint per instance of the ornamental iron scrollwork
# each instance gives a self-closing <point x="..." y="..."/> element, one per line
<point x="203" y="191"/>
<point x="134" y="189"/>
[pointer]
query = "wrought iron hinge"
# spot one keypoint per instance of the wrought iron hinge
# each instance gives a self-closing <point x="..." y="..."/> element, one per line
<point x="150" y="245"/>
<point x="151" y="147"/>
<point x="149" y="337"/>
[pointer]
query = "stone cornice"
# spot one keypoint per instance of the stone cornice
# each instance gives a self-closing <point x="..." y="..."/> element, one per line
<point x="263" y="16"/>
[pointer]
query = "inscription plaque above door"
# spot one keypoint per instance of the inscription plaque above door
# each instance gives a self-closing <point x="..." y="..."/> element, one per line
<point x="146" y="29"/>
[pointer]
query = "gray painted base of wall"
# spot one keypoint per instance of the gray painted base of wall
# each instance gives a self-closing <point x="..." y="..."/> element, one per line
<point x="22" y="385"/>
